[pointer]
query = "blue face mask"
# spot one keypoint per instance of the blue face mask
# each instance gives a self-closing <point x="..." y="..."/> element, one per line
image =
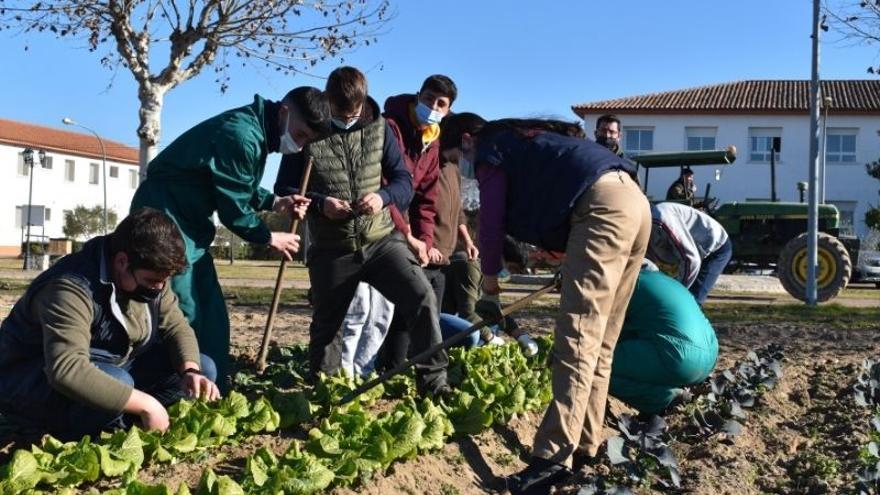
<point x="427" y="115"/>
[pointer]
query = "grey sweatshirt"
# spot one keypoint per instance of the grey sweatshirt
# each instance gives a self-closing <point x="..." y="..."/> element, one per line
<point x="681" y="238"/>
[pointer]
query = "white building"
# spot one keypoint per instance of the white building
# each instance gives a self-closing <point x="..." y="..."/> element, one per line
<point x="71" y="175"/>
<point x="748" y="114"/>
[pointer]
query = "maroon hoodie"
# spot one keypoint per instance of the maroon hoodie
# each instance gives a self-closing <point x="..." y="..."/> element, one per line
<point x="422" y="163"/>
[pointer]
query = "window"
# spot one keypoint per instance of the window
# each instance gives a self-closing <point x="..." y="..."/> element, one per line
<point x="638" y="140"/>
<point x="114" y="171"/>
<point x="760" y="140"/>
<point x="700" y="138"/>
<point x="23" y="169"/>
<point x="69" y="170"/>
<point x="133" y="179"/>
<point x="840" y="145"/>
<point x="18" y="222"/>
<point x="48" y="215"/>
<point x="46" y="163"/>
<point x="93" y="173"/>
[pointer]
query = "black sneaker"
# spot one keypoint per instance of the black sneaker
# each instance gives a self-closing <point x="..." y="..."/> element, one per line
<point x="581" y="460"/>
<point x="537" y="478"/>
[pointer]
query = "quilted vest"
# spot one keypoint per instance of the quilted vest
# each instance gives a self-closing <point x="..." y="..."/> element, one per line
<point x="348" y="165"/>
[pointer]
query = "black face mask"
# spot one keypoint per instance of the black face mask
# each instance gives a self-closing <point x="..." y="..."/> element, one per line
<point x="141" y="293"/>
<point x="607" y="142"/>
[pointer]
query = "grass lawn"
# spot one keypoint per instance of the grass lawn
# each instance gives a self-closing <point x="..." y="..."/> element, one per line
<point x="830" y="315"/>
<point x="247" y="296"/>
<point x="10" y="263"/>
<point x="263" y="270"/>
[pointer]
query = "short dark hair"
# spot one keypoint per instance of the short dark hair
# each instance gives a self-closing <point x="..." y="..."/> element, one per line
<point x="346" y="88"/>
<point x="607" y="118"/>
<point x="686" y="171"/>
<point x="442" y="85"/>
<point x="151" y="241"/>
<point x="311" y="104"/>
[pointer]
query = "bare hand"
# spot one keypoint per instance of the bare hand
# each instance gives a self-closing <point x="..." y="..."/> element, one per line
<point x="435" y="257"/>
<point x="472" y="251"/>
<point x="153" y="415"/>
<point x="294" y="205"/>
<point x="284" y="243"/>
<point x="336" y="209"/>
<point x="418" y="248"/>
<point x="370" y="204"/>
<point x="198" y="386"/>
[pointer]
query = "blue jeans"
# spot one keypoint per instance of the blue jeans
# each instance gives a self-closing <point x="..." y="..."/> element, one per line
<point x="27" y="398"/>
<point x="451" y="325"/>
<point x="710" y="269"/>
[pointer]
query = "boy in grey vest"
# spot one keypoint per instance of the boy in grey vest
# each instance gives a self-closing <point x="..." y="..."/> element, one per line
<point x="358" y="172"/>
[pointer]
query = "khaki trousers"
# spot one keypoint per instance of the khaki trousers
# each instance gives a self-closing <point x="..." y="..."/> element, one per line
<point x="610" y="226"/>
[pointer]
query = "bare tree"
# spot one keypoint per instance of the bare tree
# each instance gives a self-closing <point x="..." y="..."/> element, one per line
<point x="289" y="36"/>
<point x="857" y="21"/>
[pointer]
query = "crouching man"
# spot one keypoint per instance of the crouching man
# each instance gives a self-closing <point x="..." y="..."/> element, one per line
<point x="666" y="343"/>
<point x="100" y="335"/>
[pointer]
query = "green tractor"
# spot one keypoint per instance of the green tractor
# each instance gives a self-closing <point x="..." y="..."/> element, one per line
<point x="771" y="233"/>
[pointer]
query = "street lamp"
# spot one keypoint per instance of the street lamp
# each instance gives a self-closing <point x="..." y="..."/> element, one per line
<point x="69" y="121"/>
<point x="28" y="157"/>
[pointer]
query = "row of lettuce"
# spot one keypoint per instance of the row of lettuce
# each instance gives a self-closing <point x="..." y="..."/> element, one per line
<point x="342" y="445"/>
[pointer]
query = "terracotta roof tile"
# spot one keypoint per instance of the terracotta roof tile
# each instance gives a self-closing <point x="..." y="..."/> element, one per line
<point x="46" y="138"/>
<point x="766" y="96"/>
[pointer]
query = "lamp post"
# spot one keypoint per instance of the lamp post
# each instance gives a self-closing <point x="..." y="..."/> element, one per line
<point x="69" y="121"/>
<point x="812" y="189"/>
<point x="28" y="157"/>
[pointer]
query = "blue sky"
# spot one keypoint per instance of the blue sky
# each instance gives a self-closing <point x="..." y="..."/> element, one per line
<point x="509" y="58"/>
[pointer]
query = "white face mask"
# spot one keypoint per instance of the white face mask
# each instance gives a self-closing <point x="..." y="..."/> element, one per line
<point x="288" y="146"/>
<point x="341" y="124"/>
<point x="466" y="167"/>
<point x="427" y="115"/>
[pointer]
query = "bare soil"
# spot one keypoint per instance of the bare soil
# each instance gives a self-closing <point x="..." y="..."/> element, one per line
<point x="803" y="438"/>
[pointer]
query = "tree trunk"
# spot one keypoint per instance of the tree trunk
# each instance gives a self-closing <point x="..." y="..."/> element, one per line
<point x="150" y="114"/>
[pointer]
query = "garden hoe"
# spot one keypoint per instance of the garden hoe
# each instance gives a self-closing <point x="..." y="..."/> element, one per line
<point x="276" y="296"/>
<point x="451" y="341"/>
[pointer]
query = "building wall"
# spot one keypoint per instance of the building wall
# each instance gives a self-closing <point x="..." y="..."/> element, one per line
<point x="55" y="192"/>
<point x="745" y="179"/>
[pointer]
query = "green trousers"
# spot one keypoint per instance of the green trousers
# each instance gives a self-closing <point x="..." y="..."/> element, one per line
<point x="197" y="288"/>
<point x="647" y="374"/>
<point x="666" y="343"/>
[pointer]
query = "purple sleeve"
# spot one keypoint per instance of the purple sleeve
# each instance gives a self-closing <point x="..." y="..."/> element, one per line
<point x="493" y="200"/>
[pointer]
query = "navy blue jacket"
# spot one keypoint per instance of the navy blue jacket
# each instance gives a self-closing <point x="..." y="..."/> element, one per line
<point x="546" y="174"/>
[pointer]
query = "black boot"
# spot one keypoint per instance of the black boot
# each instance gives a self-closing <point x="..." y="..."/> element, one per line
<point x="537" y="478"/>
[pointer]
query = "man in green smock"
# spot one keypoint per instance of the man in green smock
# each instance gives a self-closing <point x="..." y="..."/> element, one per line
<point x="666" y="343"/>
<point x="217" y="166"/>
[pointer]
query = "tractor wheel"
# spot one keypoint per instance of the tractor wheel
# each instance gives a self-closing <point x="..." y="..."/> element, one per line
<point x="832" y="274"/>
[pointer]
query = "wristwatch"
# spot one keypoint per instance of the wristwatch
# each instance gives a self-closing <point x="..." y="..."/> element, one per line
<point x="192" y="370"/>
